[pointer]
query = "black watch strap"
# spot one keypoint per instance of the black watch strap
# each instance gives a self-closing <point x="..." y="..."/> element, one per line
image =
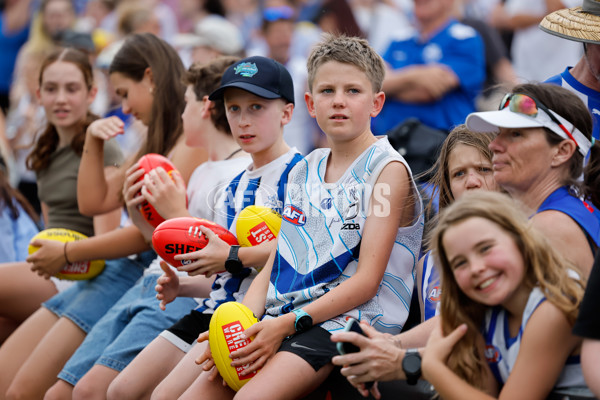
<point x="411" y="365"/>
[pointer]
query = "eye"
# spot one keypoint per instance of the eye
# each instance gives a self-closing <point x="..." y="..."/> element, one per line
<point x="485" y="169"/>
<point x="327" y="91"/>
<point x="458" y="263"/>
<point x="458" y="173"/>
<point x="515" y="134"/>
<point x="256" y="107"/>
<point x="485" y="248"/>
<point x="354" y="91"/>
<point x="233" y="108"/>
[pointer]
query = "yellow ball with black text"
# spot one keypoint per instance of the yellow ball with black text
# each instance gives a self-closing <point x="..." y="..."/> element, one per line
<point x="75" y="271"/>
<point x="256" y="225"/>
<point x="226" y="325"/>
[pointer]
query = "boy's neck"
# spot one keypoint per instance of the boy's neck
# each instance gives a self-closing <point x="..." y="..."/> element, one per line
<point x="344" y="153"/>
<point x="262" y="158"/>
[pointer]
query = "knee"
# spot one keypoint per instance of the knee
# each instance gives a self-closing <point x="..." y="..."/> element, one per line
<point x="161" y="392"/>
<point x="59" y="391"/>
<point x="83" y="390"/>
<point x="119" y="391"/>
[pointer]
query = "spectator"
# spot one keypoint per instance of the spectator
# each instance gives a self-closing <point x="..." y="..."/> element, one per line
<point x="529" y="45"/>
<point x="544" y="134"/>
<point x="507" y="297"/>
<point x="587" y="326"/>
<point x="15" y="19"/>
<point x="580" y="24"/>
<point x="65" y="84"/>
<point x="315" y="285"/>
<point x="435" y="75"/>
<point x="146" y="73"/>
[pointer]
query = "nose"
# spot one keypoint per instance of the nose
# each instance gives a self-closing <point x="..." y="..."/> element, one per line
<point x="61" y="96"/>
<point x="473" y="181"/>
<point x="477" y="267"/>
<point x="338" y="99"/>
<point x="243" y="119"/>
<point x="125" y="106"/>
<point x="496" y="145"/>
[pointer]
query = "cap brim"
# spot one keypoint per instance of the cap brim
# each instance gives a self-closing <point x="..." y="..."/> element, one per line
<point x="257" y="90"/>
<point x="490" y="121"/>
<point x="572" y="24"/>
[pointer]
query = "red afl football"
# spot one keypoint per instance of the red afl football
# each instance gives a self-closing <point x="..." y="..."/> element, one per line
<point x="183" y="235"/>
<point x="148" y="162"/>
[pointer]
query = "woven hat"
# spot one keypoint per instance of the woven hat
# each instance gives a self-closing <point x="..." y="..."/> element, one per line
<point x="581" y="24"/>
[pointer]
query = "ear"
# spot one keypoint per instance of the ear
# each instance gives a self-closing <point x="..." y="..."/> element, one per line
<point x="310" y="104"/>
<point x="207" y="107"/>
<point x="38" y="94"/>
<point x="563" y="152"/>
<point x="148" y="77"/>
<point x="287" y="112"/>
<point x="378" y="101"/>
<point x="92" y="94"/>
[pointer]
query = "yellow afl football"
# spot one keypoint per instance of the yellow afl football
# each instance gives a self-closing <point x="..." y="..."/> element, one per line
<point x="75" y="271"/>
<point x="227" y="323"/>
<point x="257" y="224"/>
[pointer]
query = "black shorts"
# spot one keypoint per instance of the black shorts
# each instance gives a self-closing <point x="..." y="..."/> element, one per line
<point x="184" y="332"/>
<point x="314" y="346"/>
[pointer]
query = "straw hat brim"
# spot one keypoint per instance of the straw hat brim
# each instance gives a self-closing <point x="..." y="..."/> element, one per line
<point x="573" y="24"/>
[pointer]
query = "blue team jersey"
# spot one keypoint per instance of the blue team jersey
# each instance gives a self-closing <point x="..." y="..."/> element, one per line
<point x="590" y="97"/>
<point x="456" y="46"/>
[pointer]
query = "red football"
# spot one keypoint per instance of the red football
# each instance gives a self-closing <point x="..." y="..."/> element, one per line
<point x="182" y="235"/>
<point x="148" y="162"/>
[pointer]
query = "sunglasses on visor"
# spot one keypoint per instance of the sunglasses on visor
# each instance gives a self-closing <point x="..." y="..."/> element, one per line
<point x="529" y="106"/>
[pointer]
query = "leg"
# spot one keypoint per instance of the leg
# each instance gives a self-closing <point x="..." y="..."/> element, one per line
<point x="204" y="388"/>
<point x="94" y="384"/>
<point x="182" y="376"/>
<point x="39" y="372"/>
<point x="17" y="348"/>
<point x="61" y="390"/>
<point x="287" y="376"/>
<point x="150" y="367"/>
<point x="21" y="294"/>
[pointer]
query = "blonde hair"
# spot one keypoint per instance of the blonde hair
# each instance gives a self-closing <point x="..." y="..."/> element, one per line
<point x="544" y="268"/>
<point x="348" y="50"/>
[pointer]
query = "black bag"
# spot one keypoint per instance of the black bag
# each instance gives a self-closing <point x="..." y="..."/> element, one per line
<point x="418" y="143"/>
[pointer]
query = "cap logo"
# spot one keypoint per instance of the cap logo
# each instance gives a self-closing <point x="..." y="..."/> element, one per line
<point x="246" y="69"/>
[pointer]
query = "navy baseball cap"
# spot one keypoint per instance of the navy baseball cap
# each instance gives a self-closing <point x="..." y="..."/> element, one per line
<point x="258" y="75"/>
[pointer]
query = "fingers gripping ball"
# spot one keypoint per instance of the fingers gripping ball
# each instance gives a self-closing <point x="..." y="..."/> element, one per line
<point x="183" y="235"/>
<point x="148" y="162"/>
<point x="227" y="323"/>
<point x="257" y="224"/>
<point x="75" y="271"/>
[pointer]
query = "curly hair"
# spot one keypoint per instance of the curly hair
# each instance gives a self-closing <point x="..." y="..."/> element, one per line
<point x="544" y="268"/>
<point x="205" y="79"/>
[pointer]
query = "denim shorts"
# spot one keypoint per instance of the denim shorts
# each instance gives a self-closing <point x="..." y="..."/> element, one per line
<point x="87" y="301"/>
<point x="129" y="326"/>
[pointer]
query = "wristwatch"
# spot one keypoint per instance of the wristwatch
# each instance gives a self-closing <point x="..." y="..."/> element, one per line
<point x="233" y="265"/>
<point x="303" y="321"/>
<point x="411" y="365"/>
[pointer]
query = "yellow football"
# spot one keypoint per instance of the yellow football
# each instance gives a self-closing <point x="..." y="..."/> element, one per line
<point x="227" y="323"/>
<point x="75" y="271"/>
<point x="257" y="224"/>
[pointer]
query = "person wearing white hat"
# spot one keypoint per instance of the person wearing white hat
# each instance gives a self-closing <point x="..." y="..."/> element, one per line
<point x="544" y="135"/>
<point x="580" y="24"/>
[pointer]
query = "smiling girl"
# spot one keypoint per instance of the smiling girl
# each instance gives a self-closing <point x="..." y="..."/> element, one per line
<point x="508" y="292"/>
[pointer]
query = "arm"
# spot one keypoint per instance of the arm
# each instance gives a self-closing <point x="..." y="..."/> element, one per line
<point x="569" y="240"/>
<point x="99" y="188"/>
<point x="377" y="241"/>
<point x="107" y="222"/>
<point x="536" y="369"/>
<point x="418" y="280"/>
<point x="590" y="360"/>
<point x="186" y="158"/>
<point x="420" y="83"/>
<point x="50" y="257"/>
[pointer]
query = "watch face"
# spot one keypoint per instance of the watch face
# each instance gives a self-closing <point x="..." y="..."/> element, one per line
<point x="304" y="323"/>
<point x="411" y="363"/>
<point x="234" y="266"/>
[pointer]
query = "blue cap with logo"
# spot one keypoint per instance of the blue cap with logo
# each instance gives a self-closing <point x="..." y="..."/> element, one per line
<point x="258" y="75"/>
